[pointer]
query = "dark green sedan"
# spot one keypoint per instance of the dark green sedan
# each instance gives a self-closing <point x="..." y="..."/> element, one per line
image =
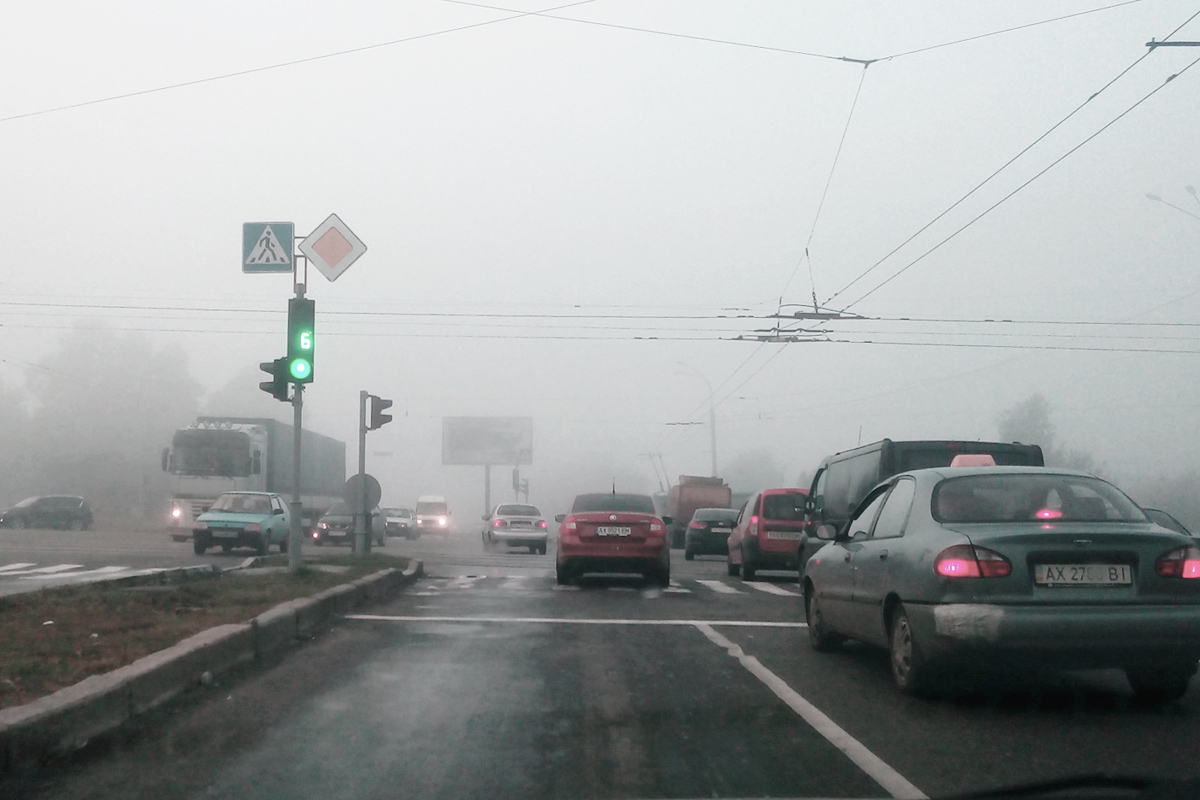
<point x="961" y="571"/>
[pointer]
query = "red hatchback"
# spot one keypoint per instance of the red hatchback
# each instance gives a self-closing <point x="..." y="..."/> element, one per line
<point x="613" y="533"/>
<point x="767" y="533"/>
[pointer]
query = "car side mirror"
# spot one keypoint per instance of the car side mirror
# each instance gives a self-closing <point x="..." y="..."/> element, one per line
<point x="809" y="505"/>
<point x="559" y="517"/>
<point x="826" y="532"/>
<point x="668" y="520"/>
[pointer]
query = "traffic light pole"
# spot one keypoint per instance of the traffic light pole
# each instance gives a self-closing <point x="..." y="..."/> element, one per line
<point x="296" y="532"/>
<point x="362" y="542"/>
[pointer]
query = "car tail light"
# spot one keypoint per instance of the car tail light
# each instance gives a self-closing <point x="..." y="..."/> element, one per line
<point x="656" y="527"/>
<point x="965" y="561"/>
<point x="316" y="535"/>
<point x="542" y="524"/>
<point x="499" y="523"/>
<point x="569" y="525"/>
<point x="699" y="526"/>
<point x="1182" y="562"/>
<point x="1048" y="513"/>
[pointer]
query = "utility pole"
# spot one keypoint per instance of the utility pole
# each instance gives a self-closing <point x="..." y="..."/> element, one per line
<point x="296" y="510"/>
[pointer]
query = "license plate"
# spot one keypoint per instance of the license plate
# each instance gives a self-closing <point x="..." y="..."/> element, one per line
<point x="787" y="535"/>
<point x="722" y="530"/>
<point x="608" y="530"/>
<point x="1082" y="574"/>
<point x="225" y="534"/>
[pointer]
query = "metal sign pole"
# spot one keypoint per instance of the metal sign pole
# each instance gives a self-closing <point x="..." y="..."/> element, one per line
<point x="296" y="532"/>
<point x="362" y="544"/>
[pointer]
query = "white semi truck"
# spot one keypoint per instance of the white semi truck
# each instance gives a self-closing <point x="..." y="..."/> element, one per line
<point x="214" y="455"/>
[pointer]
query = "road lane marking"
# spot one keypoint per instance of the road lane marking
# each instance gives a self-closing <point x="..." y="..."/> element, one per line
<point x="676" y="588"/>
<point x="770" y="588"/>
<point x="8" y="567"/>
<point x="719" y="588"/>
<point x="73" y="575"/>
<point x="44" y="570"/>
<point x="565" y="621"/>
<point x="891" y="780"/>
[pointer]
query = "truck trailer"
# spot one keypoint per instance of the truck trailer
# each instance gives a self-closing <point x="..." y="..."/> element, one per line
<point x="214" y="455"/>
<point x="693" y="492"/>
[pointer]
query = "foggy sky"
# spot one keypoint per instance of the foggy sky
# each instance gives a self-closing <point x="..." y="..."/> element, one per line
<point x="552" y="167"/>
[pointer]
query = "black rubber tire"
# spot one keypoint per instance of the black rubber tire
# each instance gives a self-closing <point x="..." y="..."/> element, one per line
<point x="659" y="577"/>
<point x="909" y="669"/>
<point x="748" y="571"/>
<point x="381" y="542"/>
<point x="733" y="569"/>
<point x="818" y="634"/>
<point x="283" y="546"/>
<point x="225" y="548"/>
<point x="689" y="554"/>
<point x="1157" y="685"/>
<point x="77" y="525"/>
<point x="264" y="544"/>
<point x="562" y="576"/>
<point x="197" y="547"/>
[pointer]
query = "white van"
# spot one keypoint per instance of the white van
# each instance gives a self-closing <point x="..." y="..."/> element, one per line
<point x="433" y="515"/>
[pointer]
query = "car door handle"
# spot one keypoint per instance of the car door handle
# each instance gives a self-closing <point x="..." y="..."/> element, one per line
<point x="883" y="555"/>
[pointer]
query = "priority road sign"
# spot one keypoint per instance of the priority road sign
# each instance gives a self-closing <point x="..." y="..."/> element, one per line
<point x="332" y="247"/>
<point x="267" y="246"/>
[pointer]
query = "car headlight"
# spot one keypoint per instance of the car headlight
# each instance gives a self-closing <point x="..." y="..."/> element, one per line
<point x="201" y="526"/>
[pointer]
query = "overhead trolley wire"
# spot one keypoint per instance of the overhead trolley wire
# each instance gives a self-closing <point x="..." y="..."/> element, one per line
<point x="1005" y="165"/>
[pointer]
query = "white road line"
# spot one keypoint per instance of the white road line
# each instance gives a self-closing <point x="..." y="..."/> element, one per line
<point x="770" y="588"/>
<point x="565" y="621"/>
<point x="44" y="570"/>
<point x="676" y="588"/>
<point x="891" y="780"/>
<point x="8" y="567"/>
<point x="720" y="588"/>
<point x="514" y="583"/>
<point x="73" y="575"/>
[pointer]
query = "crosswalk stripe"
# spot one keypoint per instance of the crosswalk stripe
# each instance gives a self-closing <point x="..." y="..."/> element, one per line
<point x="8" y="567"/>
<point x="675" y="588"/>
<point x="770" y="588"/>
<point x="60" y="574"/>
<point x="720" y="588"/>
<point x="43" y="570"/>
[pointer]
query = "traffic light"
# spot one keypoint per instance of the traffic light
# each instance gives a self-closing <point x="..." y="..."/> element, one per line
<point x="378" y="418"/>
<point x="301" y="319"/>
<point x="277" y="387"/>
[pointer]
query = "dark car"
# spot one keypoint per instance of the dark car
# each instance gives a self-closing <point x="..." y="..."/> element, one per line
<point x="768" y="534"/>
<point x="613" y="533"/>
<point x="962" y="572"/>
<point x="336" y="526"/>
<point x="708" y="532"/>
<point x="49" y="511"/>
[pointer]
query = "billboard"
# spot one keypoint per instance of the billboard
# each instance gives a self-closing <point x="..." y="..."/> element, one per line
<point x="487" y="440"/>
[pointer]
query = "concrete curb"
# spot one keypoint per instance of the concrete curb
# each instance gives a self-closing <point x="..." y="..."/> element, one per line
<point x="35" y="733"/>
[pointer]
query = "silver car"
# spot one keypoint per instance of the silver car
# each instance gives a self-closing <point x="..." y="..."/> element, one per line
<point x="963" y="571"/>
<point x="516" y="525"/>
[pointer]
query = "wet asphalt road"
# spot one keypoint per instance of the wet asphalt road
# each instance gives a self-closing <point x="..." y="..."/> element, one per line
<point x="486" y="680"/>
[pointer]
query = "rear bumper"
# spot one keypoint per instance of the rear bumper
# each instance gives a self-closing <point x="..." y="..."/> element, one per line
<point x="629" y="557"/>
<point x="1071" y="637"/>
<point x="707" y="543"/>
<point x="520" y="538"/>
<point x="782" y="558"/>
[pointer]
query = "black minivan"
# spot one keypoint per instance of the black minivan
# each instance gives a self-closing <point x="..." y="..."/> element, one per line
<point x="49" y="511"/>
<point x="844" y="478"/>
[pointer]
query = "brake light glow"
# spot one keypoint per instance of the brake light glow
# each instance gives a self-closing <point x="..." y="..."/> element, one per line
<point x="1182" y="562"/>
<point x="1048" y="513"/>
<point x="542" y="524"/>
<point x="499" y="523"/>
<point x="699" y="526"/>
<point x="966" y="561"/>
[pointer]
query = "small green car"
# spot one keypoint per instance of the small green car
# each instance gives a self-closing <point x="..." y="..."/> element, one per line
<point x="243" y="519"/>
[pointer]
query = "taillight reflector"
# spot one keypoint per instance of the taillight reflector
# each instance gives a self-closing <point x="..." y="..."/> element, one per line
<point x="696" y="525"/>
<point x="1182" y="562"/>
<point x="966" y="561"/>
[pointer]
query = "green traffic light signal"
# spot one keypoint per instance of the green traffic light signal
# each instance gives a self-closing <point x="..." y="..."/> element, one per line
<point x="301" y="339"/>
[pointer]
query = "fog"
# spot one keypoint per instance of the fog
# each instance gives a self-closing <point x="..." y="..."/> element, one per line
<point x="589" y="219"/>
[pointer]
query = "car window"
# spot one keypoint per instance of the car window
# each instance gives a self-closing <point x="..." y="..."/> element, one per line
<point x="894" y="515"/>
<point x="513" y="510"/>
<point x="781" y="507"/>
<point x="1032" y="497"/>
<point x="750" y="503"/>
<point x="860" y="525"/>
<point x="637" y="503"/>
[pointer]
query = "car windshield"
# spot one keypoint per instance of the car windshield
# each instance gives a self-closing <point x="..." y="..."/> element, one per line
<point x="518" y="511"/>
<point x="27" y="502"/>
<point x="1032" y="498"/>
<point x="399" y="512"/>
<point x="715" y="514"/>
<point x="431" y="509"/>
<point x="243" y="504"/>
<point x="613" y="502"/>
<point x="338" y="509"/>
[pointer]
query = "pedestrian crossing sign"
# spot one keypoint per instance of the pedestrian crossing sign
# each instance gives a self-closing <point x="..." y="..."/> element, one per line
<point x="267" y="246"/>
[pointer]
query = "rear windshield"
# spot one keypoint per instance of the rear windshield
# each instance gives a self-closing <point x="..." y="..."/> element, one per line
<point x="1032" y="498"/>
<point x="638" y="503"/>
<point x="715" y="514"/>
<point x="431" y="509"/>
<point x="518" y="511"/>
<point x="783" y="506"/>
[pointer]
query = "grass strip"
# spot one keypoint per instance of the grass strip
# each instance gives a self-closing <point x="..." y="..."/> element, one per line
<point x="56" y="637"/>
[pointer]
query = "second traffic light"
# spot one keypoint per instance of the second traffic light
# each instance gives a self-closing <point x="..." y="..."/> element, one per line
<point x="277" y="387"/>
<point x="378" y="418"/>
<point x="301" y="339"/>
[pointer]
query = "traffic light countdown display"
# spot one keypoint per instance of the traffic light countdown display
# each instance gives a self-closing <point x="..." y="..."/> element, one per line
<point x="301" y="319"/>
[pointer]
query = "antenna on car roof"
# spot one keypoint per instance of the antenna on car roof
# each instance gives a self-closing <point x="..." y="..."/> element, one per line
<point x="614" y="485"/>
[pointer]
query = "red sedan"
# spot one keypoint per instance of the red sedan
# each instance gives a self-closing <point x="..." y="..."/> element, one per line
<point x="613" y="533"/>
